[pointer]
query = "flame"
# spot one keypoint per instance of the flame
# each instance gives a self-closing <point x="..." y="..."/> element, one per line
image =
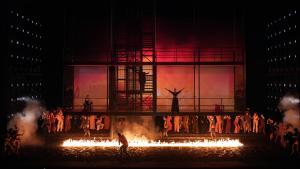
<point x="151" y="143"/>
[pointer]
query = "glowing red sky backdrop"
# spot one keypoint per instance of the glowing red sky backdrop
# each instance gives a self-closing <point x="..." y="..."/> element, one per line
<point x="90" y="80"/>
<point x="211" y="29"/>
<point x="215" y="82"/>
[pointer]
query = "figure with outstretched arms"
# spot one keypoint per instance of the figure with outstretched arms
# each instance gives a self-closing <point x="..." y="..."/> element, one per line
<point x="175" y="104"/>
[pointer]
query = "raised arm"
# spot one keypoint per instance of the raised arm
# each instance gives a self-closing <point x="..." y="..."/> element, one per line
<point x="180" y="91"/>
<point x="169" y="90"/>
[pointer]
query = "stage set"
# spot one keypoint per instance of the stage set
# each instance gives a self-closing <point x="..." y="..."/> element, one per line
<point x="142" y="59"/>
<point x="146" y="84"/>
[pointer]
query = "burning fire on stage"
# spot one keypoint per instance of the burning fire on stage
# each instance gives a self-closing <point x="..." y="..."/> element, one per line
<point x="150" y="143"/>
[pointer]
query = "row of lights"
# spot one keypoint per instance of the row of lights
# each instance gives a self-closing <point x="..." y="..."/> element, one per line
<point x="281" y="70"/>
<point x="25" y="44"/>
<point x="26" y="32"/>
<point x="293" y="13"/>
<point x="283" y="85"/>
<point x="24" y="70"/>
<point x="282" y="32"/>
<point x="25" y="84"/>
<point x="282" y="45"/>
<point x="281" y="58"/>
<point x="26" y="58"/>
<point x="32" y="97"/>
<point x="36" y="23"/>
<point x="274" y="97"/>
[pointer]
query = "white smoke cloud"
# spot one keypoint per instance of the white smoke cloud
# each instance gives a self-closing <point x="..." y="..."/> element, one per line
<point x="26" y="121"/>
<point x="290" y="105"/>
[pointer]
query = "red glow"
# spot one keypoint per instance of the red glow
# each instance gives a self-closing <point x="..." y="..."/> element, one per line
<point x="215" y="82"/>
<point x="90" y="80"/>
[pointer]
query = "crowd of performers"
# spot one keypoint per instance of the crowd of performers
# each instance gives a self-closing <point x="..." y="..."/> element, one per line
<point x="55" y="121"/>
<point x="248" y="122"/>
<point x="280" y="133"/>
<point x="277" y="132"/>
<point x="227" y="124"/>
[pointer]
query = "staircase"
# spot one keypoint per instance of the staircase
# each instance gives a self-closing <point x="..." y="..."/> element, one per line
<point x="134" y="46"/>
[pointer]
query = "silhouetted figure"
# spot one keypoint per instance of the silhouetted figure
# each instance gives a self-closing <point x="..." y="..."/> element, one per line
<point x="295" y="142"/>
<point x="175" y="104"/>
<point x="228" y="124"/>
<point x="13" y="141"/>
<point x="255" y="123"/>
<point x="247" y="122"/>
<point x="237" y="124"/>
<point x="212" y="126"/>
<point x="166" y="127"/>
<point x="262" y="125"/>
<point x="142" y="79"/>
<point x="87" y="105"/>
<point x="124" y="142"/>
<point x="195" y="124"/>
<point x="203" y="124"/>
<point x="85" y="126"/>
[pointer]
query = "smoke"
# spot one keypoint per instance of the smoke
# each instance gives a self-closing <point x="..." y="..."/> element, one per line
<point x="290" y="105"/>
<point x="136" y="127"/>
<point x="26" y="121"/>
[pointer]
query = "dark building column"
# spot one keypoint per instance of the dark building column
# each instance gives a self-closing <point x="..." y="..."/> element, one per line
<point x="255" y="69"/>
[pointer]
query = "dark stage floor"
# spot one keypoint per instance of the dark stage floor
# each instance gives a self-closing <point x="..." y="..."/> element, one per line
<point x="256" y="152"/>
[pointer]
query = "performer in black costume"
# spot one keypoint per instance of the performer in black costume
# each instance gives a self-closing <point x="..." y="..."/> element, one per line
<point x="142" y="79"/>
<point x="87" y="105"/>
<point x="175" y="104"/>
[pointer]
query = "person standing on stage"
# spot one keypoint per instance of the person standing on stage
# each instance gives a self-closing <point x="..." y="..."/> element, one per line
<point x="175" y="104"/>
<point x="60" y="121"/>
<point x="255" y="122"/>
<point x="262" y="125"/>
<point x="142" y="79"/>
<point x="165" y="127"/>
<point x="212" y="126"/>
<point x="99" y="123"/>
<point x="195" y="124"/>
<point x="219" y="124"/>
<point x="237" y="124"/>
<point x="228" y="124"/>
<point x="209" y="118"/>
<point x="52" y="121"/>
<point x="87" y="105"/>
<point x="86" y="126"/>
<point x="123" y="149"/>
<point x="170" y="126"/>
<point x="185" y="120"/>
<point x="242" y="123"/>
<point x="68" y="123"/>
<point x="176" y="124"/>
<point x="247" y="122"/>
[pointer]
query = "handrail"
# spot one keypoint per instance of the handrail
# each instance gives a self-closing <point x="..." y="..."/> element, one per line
<point x="206" y="104"/>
